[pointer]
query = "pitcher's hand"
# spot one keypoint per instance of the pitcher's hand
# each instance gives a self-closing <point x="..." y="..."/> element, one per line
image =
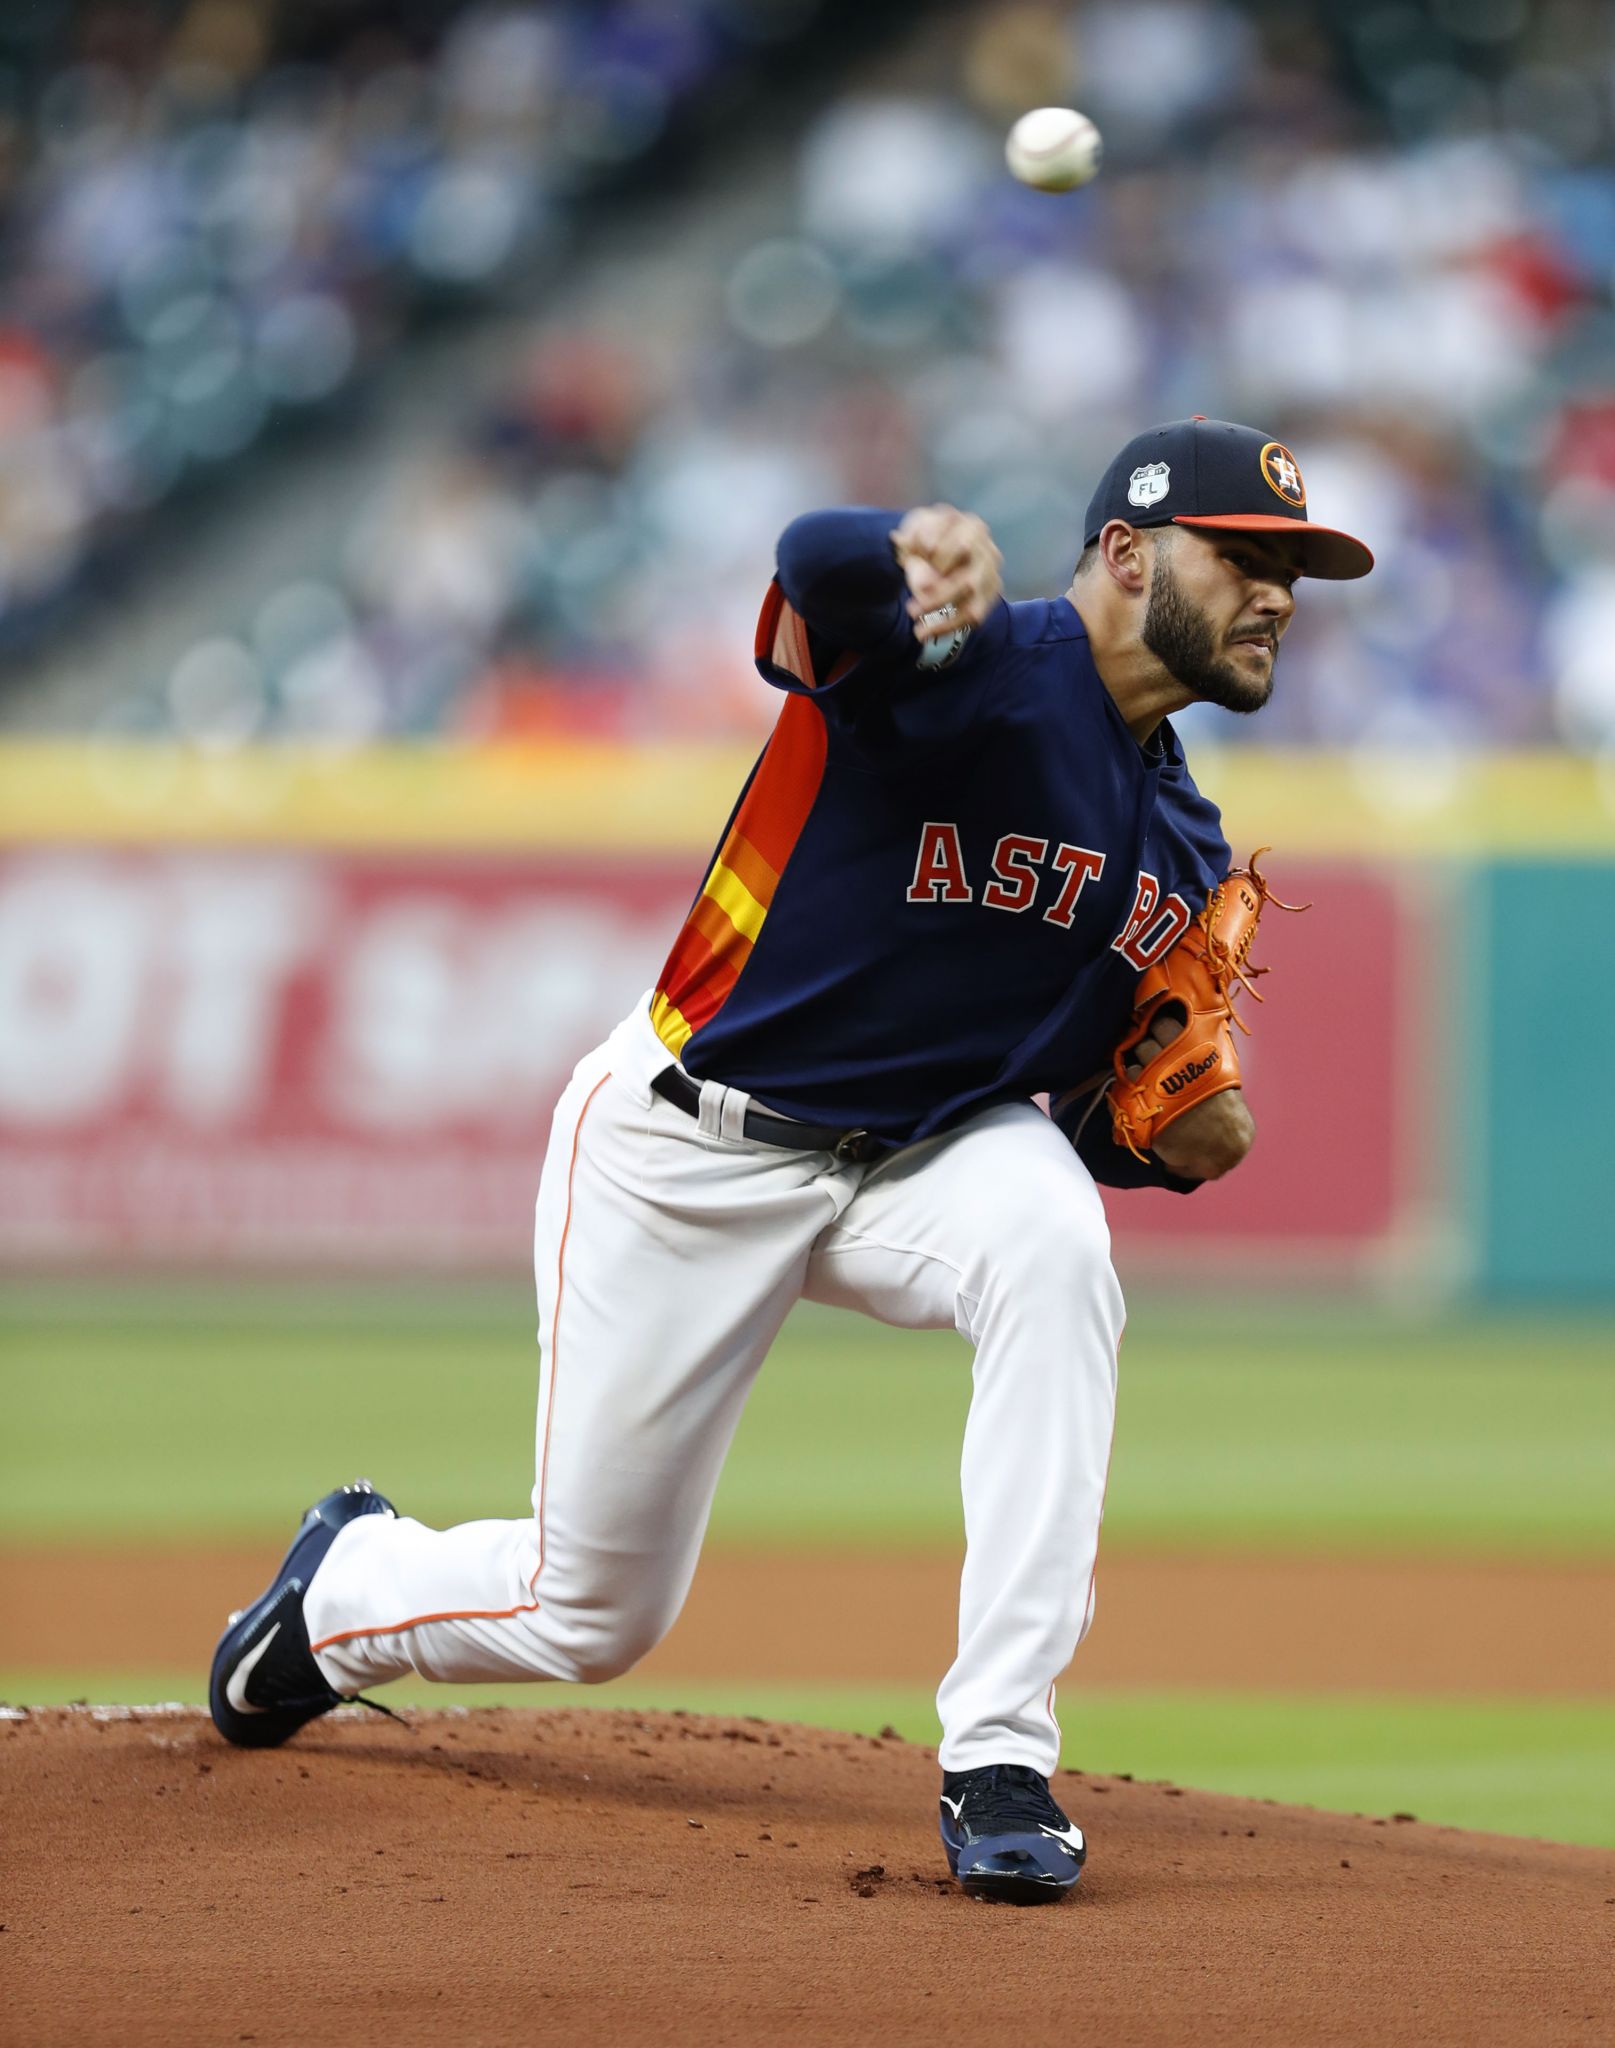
<point x="948" y="557"/>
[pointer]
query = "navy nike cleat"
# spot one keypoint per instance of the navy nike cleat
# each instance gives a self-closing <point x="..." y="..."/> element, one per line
<point x="265" y="1683"/>
<point x="1006" y="1838"/>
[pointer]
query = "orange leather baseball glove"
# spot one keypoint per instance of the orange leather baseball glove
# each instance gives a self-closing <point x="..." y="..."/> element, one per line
<point x="1201" y="975"/>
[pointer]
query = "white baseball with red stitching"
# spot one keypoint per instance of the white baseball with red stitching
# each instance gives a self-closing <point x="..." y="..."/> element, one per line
<point x="1054" y="149"/>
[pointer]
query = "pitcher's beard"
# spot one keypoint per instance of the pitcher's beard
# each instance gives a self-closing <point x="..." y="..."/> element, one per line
<point x="1182" y="641"/>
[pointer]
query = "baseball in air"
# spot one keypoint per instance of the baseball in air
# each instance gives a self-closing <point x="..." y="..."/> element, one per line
<point x="1054" y="149"/>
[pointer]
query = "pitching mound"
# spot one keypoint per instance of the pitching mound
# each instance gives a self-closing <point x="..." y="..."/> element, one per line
<point x="509" y="1876"/>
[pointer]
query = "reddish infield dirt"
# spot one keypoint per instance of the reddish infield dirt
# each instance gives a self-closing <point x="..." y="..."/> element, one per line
<point x="508" y="1876"/>
<point x="1422" y="1626"/>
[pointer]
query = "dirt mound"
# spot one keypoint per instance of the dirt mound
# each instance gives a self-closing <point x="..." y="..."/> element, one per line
<point x="506" y="1876"/>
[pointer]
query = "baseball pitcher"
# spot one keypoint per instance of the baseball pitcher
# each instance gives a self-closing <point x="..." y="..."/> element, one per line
<point x="969" y="868"/>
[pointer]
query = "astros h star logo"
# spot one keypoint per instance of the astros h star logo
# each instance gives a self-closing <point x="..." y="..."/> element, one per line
<point x="1283" y="473"/>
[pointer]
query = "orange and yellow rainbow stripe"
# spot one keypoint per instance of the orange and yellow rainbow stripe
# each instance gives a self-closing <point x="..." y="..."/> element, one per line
<point x="722" y="927"/>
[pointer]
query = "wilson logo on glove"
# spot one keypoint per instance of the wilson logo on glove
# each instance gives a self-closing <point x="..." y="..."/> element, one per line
<point x="1174" y="1084"/>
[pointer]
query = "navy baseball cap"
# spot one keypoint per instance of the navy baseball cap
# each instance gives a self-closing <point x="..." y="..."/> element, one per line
<point x="1216" y="475"/>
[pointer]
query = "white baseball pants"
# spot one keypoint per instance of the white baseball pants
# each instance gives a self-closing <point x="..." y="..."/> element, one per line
<point x="668" y="1252"/>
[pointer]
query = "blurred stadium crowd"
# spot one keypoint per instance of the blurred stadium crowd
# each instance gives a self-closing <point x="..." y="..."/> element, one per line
<point x="1386" y="233"/>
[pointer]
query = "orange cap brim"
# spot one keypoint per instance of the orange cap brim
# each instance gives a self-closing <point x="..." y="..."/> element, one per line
<point x="1325" y="550"/>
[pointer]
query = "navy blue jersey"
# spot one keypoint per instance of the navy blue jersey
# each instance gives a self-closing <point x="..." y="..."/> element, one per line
<point x="944" y="877"/>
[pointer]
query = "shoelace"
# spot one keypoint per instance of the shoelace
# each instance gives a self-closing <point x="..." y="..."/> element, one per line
<point x="1009" y="1799"/>
<point x="376" y="1707"/>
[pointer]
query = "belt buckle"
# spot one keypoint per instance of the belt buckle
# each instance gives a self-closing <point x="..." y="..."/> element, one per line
<point x="849" y="1146"/>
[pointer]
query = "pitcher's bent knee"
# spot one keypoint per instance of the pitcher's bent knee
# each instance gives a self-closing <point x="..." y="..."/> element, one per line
<point x="598" y="1645"/>
<point x="608" y="1658"/>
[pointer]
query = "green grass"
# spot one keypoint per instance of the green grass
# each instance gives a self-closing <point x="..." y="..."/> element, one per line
<point x="166" y="1411"/>
<point x="1526" y="1767"/>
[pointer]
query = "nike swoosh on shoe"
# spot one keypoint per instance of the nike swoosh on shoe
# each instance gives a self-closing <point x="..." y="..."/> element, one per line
<point x="236" y="1690"/>
<point x="1069" y="1837"/>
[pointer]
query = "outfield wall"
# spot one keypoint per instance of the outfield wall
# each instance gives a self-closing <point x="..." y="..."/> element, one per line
<point x="284" y="1008"/>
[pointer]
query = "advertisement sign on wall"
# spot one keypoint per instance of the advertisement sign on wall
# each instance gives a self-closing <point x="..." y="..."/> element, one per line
<point x="288" y="1056"/>
<point x="291" y="1056"/>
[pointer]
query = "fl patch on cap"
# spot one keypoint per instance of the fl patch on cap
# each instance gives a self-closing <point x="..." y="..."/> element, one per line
<point x="1217" y="475"/>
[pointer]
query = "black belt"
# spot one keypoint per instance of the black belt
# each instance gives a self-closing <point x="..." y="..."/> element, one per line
<point x="761" y="1125"/>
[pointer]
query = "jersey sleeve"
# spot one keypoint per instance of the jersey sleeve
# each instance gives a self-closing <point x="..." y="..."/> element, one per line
<point x="835" y="624"/>
<point x="1112" y="1165"/>
<point x="837" y="598"/>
